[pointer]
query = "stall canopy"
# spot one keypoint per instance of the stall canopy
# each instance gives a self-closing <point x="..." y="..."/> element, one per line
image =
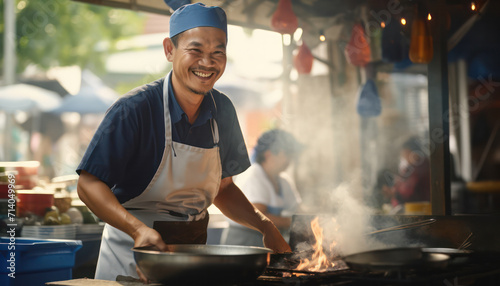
<point x="246" y="13"/>
<point x="317" y="17"/>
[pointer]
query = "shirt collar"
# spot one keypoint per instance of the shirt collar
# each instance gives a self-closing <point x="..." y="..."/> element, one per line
<point x="176" y="112"/>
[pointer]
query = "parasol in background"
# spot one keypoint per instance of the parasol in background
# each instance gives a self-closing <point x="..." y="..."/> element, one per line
<point x="25" y="97"/>
<point x="87" y="100"/>
<point x="94" y="97"/>
<point x="31" y="100"/>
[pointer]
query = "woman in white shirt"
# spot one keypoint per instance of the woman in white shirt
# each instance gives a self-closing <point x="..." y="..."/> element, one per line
<point x="267" y="187"/>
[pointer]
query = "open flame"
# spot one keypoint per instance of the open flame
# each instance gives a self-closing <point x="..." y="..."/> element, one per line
<point x="319" y="261"/>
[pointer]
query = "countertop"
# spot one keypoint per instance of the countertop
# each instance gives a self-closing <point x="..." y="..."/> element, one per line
<point x="122" y="281"/>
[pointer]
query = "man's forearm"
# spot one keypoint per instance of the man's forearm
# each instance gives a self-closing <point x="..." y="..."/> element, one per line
<point x="103" y="203"/>
<point x="233" y="204"/>
<point x="279" y="221"/>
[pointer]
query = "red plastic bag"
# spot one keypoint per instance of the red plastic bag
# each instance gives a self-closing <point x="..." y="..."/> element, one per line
<point x="303" y="60"/>
<point x="284" y="20"/>
<point x="357" y="51"/>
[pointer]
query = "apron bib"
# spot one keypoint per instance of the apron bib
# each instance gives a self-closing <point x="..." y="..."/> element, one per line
<point x="174" y="203"/>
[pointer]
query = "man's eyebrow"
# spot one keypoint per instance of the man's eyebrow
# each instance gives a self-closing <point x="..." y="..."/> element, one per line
<point x="195" y="44"/>
<point x="198" y="44"/>
<point x="221" y="46"/>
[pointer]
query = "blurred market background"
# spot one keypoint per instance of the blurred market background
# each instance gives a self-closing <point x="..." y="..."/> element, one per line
<point x="65" y="62"/>
<point x="70" y="61"/>
<point x="351" y="94"/>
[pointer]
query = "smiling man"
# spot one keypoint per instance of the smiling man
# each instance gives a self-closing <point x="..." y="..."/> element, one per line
<point x="167" y="150"/>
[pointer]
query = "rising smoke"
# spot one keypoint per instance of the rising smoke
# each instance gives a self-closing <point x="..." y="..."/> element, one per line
<point x="347" y="229"/>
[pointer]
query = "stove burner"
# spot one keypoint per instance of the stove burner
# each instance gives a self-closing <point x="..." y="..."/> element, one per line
<point x="479" y="274"/>
<point x="339" y="265"/>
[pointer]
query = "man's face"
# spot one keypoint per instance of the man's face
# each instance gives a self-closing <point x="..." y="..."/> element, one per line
<point x="198" y="61"/>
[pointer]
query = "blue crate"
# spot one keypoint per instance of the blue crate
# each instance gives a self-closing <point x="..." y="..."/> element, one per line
<point x="37" y="261"/>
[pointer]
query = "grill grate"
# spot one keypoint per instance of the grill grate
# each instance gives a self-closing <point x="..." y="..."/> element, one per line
<point x="483" y="274"/>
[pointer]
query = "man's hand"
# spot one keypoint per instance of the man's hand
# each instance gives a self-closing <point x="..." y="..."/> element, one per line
<point x="272" y="239"/>
<point x="146" y="236"/>
<point x="101" y="201"/>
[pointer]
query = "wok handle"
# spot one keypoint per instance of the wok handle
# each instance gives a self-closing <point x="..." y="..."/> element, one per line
<point x="405" y="226"/>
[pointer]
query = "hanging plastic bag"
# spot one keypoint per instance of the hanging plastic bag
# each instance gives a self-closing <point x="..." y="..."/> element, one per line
<point x="303" y="60"/>
<point x="421" y="50"/>
<point x="357" y="51"/>
<point x="284" y="20"/>
<point x="368" y="101"/>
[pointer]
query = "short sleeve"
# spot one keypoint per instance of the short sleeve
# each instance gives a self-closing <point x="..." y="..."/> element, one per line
<point x="234" y="155"/>
<point x="110" y="149"/>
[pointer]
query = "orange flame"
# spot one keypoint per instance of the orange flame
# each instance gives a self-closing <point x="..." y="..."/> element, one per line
<point x="319" y="261"/>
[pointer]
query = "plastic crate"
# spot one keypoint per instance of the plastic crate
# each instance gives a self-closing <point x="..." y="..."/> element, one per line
<point x="37" y="261"/>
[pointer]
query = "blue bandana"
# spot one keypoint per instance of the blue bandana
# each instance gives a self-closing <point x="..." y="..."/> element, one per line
<point x="197" y="15"/>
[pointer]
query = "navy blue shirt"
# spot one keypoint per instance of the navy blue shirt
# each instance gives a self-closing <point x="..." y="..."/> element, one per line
<point x="197" y="134"/>
<point x="127" y="148"/>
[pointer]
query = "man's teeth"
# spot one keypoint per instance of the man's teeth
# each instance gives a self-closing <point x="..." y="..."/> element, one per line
<point x="202" y="74"/>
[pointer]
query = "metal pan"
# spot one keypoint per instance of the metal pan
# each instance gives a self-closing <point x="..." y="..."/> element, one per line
<point x="457" y="256"/>
<point x="202" y="264"/>
<point x="453" y="252"/>
<point x="396" y="259"/>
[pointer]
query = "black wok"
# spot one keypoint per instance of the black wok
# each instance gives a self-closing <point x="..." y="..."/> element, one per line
<point x="396" y="259"/>
<point x="202" y="264"/>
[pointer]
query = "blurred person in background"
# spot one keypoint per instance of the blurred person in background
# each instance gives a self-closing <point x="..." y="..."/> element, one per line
<point x="412" y="184"/>
<point x="268" y="187"/>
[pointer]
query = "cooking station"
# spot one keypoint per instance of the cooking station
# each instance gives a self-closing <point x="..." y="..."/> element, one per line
<point x="459" y="275"/>
<point x="468" y="259"/>
<point x="474" y="273"/>
<point x="477" y="264"/>
<point x="477" y="274"/>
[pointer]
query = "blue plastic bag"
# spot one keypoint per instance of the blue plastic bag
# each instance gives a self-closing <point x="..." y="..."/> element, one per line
<point x="368" y="100"/>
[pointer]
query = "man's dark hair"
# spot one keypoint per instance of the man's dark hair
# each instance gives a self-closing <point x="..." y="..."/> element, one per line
<point x="175" y="40"/>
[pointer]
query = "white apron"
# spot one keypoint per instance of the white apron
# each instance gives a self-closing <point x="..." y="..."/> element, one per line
<point x="183" y="187"/>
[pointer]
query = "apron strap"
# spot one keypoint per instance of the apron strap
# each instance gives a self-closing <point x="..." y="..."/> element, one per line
<point x="213" y="122"/>
<point x="215" y="131"/>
